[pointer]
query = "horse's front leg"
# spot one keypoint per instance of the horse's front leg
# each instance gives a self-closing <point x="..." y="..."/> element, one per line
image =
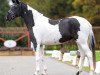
<point x="38" y="58"/>
<point x="43" y="61"/>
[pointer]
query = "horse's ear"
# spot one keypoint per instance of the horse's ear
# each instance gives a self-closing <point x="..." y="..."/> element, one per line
<point x="10" y="3"/>
<point x="16" y="1"/>
<point x="13" y="1"/>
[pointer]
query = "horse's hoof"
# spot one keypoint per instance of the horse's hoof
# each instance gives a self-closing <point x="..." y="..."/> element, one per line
<point x="36" y="73"/>
<point x="44" y="72"/>
<point x="78" y="73"/>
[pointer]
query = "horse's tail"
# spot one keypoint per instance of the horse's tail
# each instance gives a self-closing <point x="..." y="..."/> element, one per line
<point x="92" y="46"/>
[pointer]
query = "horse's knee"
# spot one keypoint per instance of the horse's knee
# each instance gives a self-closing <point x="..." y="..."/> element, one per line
<point x="37" y="58"/>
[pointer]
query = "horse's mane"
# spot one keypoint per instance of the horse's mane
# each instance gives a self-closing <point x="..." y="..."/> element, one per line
<point x="35" y="11"/>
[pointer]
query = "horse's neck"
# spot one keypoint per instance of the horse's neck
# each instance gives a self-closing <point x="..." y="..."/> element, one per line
<point x="36" y="14"/>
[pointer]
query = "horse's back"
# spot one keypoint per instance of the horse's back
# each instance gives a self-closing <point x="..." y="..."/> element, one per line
<point x="84" y="23"/>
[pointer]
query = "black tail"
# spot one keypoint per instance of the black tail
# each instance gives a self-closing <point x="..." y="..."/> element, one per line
<point x="92" y="47"/>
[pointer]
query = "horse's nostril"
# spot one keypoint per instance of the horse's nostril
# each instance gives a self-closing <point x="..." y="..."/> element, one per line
<point x="13" y="16"/>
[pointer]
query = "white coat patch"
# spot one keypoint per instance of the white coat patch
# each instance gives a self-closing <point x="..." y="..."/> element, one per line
<point x="45" y="33"/>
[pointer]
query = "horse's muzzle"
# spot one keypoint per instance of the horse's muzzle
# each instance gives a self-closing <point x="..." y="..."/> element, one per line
<point x="10" y="16"/>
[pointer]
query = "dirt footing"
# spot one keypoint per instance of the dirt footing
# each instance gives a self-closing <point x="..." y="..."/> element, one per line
<point x="17" y="51"/>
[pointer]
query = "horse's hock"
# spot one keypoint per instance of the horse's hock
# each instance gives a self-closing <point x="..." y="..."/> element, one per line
<point x="16" y="51"/>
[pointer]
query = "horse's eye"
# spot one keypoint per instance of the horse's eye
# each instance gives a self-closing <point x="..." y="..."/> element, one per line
<point x="15" y="7"/>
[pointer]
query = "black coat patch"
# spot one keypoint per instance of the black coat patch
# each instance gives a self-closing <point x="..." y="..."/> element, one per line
<point x="53" y="22"/>
<point x="28" y="18"/>
<point x="68" y="28"/>
<point x="32" y="37"/>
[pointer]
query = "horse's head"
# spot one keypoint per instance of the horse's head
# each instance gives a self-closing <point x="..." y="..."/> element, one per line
<point x="15" y="10"/>
<point x="20" y="9"/>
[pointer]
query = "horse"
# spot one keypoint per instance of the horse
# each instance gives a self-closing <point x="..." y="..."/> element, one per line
<point x="46" y="31"/>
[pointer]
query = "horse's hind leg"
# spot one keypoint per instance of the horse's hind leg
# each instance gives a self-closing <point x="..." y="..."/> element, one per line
<point x="62" y="51"/>
<point x="84" y="46"/>
<point x="90" y="58"/>
<point x="82" y="53"/>
<point x="88" y="53"/>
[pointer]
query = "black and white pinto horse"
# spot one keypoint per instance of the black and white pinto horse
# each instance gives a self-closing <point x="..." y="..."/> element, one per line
<point x="45" y="31"/>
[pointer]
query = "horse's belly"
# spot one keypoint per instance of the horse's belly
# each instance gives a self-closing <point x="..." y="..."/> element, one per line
<point x="51" y="41"/>
<point x="51" y="38"/>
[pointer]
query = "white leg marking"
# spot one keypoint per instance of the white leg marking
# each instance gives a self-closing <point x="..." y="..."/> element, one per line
<point x="90" y="58"/>
<point x="37" y="59"/>
<point x="43" y="62"/>
<point x="87" y="52"/>
<point x="81" y="58"/>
